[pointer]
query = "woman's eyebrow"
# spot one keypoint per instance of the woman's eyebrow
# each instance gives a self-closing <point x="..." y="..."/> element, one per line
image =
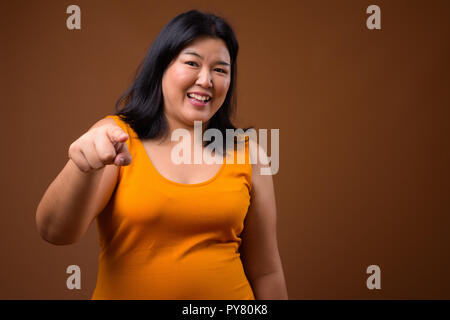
<point x="221" y="62"/>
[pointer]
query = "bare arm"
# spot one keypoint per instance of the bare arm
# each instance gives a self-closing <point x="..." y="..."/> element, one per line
<point x="259" y="248"/>
<point x="74" y="199"/>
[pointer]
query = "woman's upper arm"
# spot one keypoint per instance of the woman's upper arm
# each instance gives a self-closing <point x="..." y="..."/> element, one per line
<point x="259" y="248"/>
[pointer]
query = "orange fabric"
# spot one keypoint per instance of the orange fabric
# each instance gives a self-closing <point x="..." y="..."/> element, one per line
<point x="161" y="239"/>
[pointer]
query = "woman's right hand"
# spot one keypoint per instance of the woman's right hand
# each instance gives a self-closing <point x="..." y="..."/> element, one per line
<point x="99" y="147"/>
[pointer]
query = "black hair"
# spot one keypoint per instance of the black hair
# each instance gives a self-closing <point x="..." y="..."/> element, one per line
<point x="143" y="100"/>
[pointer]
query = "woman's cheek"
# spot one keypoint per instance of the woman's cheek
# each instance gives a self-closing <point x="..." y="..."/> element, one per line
<point x="224" y="89"/>
<point x="225" y="84"/>
<point x="182" y="76"/>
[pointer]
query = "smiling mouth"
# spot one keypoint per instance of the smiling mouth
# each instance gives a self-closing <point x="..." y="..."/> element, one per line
<point x="197" y="97"/>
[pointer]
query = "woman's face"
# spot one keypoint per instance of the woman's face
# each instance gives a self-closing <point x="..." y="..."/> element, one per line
<point x="201" y="71"/>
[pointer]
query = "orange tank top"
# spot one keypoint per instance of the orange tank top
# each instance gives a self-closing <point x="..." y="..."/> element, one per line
<point x="161" y="239"/>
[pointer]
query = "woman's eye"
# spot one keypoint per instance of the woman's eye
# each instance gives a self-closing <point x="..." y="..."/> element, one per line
<point x="191" y="63"/>
<point x="221" y="70"/>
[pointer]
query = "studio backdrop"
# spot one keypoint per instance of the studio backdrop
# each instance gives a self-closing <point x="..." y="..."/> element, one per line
<point x="359" y="91"/>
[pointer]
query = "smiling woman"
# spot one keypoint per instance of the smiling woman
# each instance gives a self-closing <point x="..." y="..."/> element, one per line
<point x="166" y="230"/>
<point x="187" y="84"/>
<point x="195" y="53"/>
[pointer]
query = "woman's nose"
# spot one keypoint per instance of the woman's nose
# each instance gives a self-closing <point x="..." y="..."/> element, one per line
<point x="204" y="79"/>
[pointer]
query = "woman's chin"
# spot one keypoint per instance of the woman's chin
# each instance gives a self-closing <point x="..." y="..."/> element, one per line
<point x="191" y="118"/>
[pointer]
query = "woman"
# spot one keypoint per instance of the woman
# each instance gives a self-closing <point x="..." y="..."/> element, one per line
<point x="166" y="230"/>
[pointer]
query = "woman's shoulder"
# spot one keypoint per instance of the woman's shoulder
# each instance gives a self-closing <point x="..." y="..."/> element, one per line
<point x="117" y="120"/>
<point x="258" y="157"/>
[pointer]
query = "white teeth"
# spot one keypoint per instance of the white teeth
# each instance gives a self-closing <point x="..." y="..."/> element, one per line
<point x="198" y="97"/>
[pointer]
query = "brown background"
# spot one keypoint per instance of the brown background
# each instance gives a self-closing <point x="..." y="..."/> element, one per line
<point x="364" y="133"/>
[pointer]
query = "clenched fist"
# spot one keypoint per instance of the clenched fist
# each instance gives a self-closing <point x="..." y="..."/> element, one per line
<point x="99" y="147"/>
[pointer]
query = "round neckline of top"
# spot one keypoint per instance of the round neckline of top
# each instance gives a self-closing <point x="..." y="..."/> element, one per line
<point x="188" y="185"/>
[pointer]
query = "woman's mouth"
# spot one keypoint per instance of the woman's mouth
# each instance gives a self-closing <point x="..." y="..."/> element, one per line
<point x="198" y="100"/>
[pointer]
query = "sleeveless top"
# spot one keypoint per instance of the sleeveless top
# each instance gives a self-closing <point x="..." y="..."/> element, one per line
<point x="164" y="240"/>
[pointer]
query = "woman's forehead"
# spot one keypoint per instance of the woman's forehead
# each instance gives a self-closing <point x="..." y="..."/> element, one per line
<point x="206" y="48"/>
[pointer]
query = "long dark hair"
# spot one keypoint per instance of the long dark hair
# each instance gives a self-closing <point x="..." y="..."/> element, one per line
<point x="143" y="100"/>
